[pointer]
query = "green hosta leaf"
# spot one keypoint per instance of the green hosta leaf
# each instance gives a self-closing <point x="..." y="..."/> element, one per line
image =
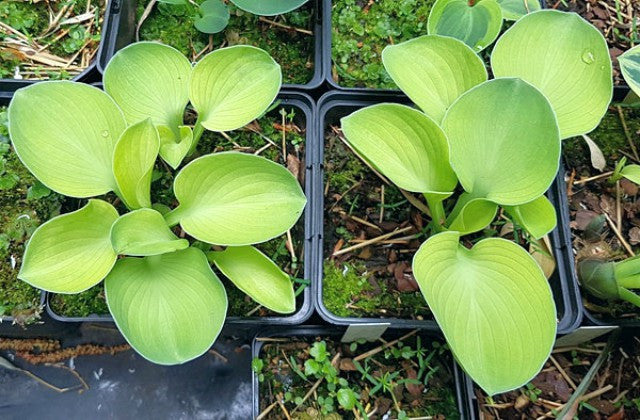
<point x="494" y="306"/>
<point x="503" y="141"/>
<point x="173" y="1"/>
<point x="214" y="17"/>
<point x="270" y="7"/>
<point x="133" y="160"/>
<point x="236" y="199"/>
<point x="150" y="80"/>
<point x="405" y="145"/>
<point x="64" y="133"/>
<point x="259" y="277"/>
<point x="231" y="87"/>
<point x="630" y="67"/>
<point x="477" y="23"/>
<point x="567" y="59"/>
<point x="169" y="307"/>
<point x="471" y="214"/>
<point x="144" y="232"/>
<point x="515" y="9"/>
<point x="538" y="217"/>
<point x="434" y="71"/>
<point x="72" y="252"/>
<point x="172" y="151"/>
<point x="632" y="173"/>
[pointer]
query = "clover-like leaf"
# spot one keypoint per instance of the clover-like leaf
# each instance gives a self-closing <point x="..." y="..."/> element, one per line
<point x="150" y="80"/>
<point x="230" y="87"/>
<point x="515" y="9"/>
<point x="504" y="143"/>
<point x="543" y="48"/>
<point x="471" y="214"/>
<point x="434" y="71"/>
<point x="174" y="149"/>
<point x="538" y="217"/>
<point x="64" y="133"/>
<point x="477" y="23"/>
<point x="630" y="67"/>
<point x="405" y="145"/>
<point x="144" y="232"/>
<point x="259" y="277"/>
<point x="71" y="252"/>
<point x="133" y="160"/>
<point x="270" y="7"/>
<point x="236" y="199"/>
<point x="494" y="306"/>
<point x="214" y="17"/>
<point x="632" y="173"/>
<point x="169" y="307"/>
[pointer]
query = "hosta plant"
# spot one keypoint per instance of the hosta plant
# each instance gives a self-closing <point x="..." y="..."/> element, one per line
<point x="83" y="142"/>
<point x="630" y="68"/>
<point x="500" y="140"/>
<point x="611" y="281"/>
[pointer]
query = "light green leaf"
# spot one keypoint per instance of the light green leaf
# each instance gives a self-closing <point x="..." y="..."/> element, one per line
<point x="544" y="48"/>
<point x="434" y="71"/>
<point x="144" y="232"/>
<point x="494" y="306"/>
<point x="630" y="67"/>
<point x="133" y="160"/>
<point x="515" y="9"/>
<point x="71" y="252"/>
<point x="405" y="145"/>
<point x="632" y="173"/>
<point x="268" y="8"/>
<point x="471" y="214"/>
<point x="214" y="17"/>
<point x="169" y="307"/>
<point x="172" y="151"/>
<point x="150" y="80"/>
<point x="537" y="217"/>
<point x="259" y="277"/>
<point x="476" y="23"/>
<point x="64" y="133"/>
<point x="236" y="199"/>
<point x="230" y="87"/>
<point x="173" y="1"/>
<point x="503" y="141"/>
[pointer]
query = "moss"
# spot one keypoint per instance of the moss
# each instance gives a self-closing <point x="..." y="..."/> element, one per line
<point x="90" y="302"/>
<point x="293" y="50"/>
<point x="24" y="205"/>
<point x="360" y="31"/>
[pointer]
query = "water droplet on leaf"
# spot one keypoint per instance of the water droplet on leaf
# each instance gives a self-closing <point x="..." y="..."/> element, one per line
<point x="105" y="133"/>
<point x="587" y="57"/>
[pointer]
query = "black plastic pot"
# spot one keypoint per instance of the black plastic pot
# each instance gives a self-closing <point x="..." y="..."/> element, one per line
<point x="306" y="106"/>
<point x="122" y="33"/>
<point x="324" y="331"/>
<point x="331" y="107"/>
<point x="112" y="14"/>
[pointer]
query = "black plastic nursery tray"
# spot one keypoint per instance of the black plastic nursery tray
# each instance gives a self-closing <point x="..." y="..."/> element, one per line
<point x="312" y="331"/>
<point x="306" y="106"/>
<point x="331" y="108"/>
<point x="112" y="15"/>
<point x="121" y="32"/>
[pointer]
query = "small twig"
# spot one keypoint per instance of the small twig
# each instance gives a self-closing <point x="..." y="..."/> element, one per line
<point x="218" y="355"/>
<point x="334" y="362"/>
<point x="283" y="26"/>
<point x="266" y="411"/>
<point x="145" y="15"/>
<point x="372" y="241"/>
<point x="563" y="373"/>
<point x="592" y="178"/>
<point x="362" y="221"/>
<point x="384" y="346"/>
<point x="624" y="243"/>
<point x="381" y="204"/>
<point x="627" y="133"/>
<point x="618" y="208"/>
<point x="282" y="407"/>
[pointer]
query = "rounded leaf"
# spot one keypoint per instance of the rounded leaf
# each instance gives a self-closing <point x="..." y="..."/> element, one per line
<point x="477" y="24"/>
<point x="64" y="133"/>
<point x="71" y="252"/>
<point x="630" y="67"/>
<point x="259" y="277"/>
<point x="567" y="59"/>
<point x="434" y="71"/>
<point x="169" y="307"/>
<point x="515" y="9"/>
<point x="133" y="160"/>
<point x="504" y="143"/>
<point x="149" y="80"/>
<point x="230" y="87"/>
<point x="144" y="232"/>
<point x="632" y="173"/>
<point x="174" y="149"/>
<point x="236" y="199"/>
<point x="471" y="214"/>
<point x="270" y="7"/>
<point x="538" y="217"/>
<point x="494" y="306"/>
<point x="214" y="17"/>
<point x="405" y="145"/>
